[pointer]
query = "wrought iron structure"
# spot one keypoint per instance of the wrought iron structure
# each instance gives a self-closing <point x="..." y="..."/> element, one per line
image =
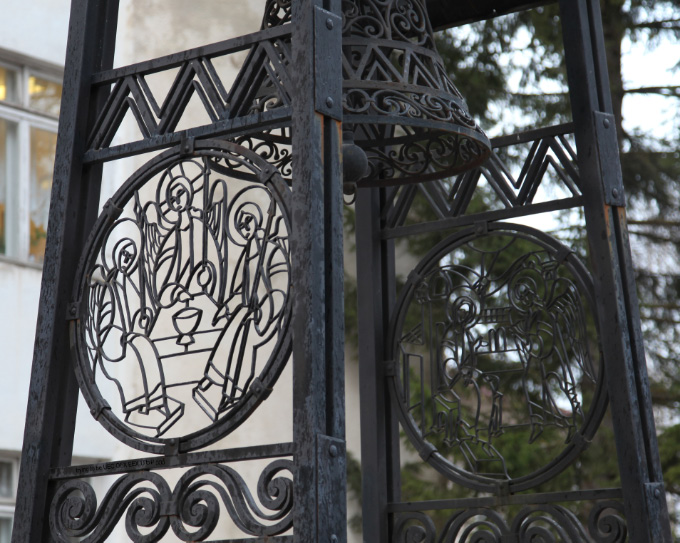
<point x="219" y="262"/>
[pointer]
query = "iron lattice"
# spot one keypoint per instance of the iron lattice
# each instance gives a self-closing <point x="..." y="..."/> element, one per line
<point x="184" y="298"/>
<point x="493" y="341"/>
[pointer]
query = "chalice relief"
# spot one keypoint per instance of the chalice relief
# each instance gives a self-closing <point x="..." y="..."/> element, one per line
<point x="499" y="347"/>
<point x="187" y="296"/>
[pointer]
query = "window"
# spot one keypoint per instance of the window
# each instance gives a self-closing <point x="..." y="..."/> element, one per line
<point x="30" y="96"/>
<point x="8" y="478"/>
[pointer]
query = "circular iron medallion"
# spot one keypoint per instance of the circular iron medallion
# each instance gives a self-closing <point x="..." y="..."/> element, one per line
<point x="494" y="358"/>
<point x="183" y="303"/>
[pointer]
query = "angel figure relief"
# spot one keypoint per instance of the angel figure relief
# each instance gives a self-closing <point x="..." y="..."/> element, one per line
<point x="187" y="293"/>
<point x="509" y="352"/>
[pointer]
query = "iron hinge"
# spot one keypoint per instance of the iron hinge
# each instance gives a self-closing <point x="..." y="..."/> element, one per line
<point x="171" y="447"/>
<point x="390" y="368"/>
<point x="481" y="228"/>
<point x="186" y="145"/>
<point x="327" y="62"/>
<point x="259" y="390"/>
<point x="72" y="311"/>
<point x="111" y="211"/>
<point x="609" y="162"/>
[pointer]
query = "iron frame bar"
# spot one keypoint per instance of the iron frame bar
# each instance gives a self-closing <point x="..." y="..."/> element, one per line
<point x="53" y="393"/>
<point x="318" y="314"/>
<point x="631" y="408"/>
<point x="499" y="501"/>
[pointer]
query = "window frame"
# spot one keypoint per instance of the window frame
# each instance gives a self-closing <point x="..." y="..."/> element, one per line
<point x="17" y="223"/>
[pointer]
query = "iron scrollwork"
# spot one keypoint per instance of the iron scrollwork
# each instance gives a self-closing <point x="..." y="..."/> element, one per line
<point x="493" y="345"/>
<point x="398" y="99"/>
<point x="191" y="510"/>
<point x="183" y="299"/>
<point x="547" y="523"/>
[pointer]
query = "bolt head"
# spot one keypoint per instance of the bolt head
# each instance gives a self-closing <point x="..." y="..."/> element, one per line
<point x="329" y="102"/>
<point x="605" y="123"/>
<point x="657" y="493"/>
<point x="329" y="24"/>
<point x="333" y="451"/>
<point x="615" y="193"/>
<point x="334" y="538"/>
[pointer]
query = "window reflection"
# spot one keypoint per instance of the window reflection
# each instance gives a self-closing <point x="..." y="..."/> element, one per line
<point x="7" y="135"/>
<point x="5" y="529"/>
<point x="8" y="85"/>
<point x="44" y="95"/>
<point x="43" y="145"/>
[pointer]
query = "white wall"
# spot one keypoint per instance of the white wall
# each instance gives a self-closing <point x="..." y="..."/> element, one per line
<point x="36" y="28"/>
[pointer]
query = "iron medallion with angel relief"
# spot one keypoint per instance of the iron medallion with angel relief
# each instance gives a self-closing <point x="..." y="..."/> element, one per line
<point x="183" y="305"/>
<point x="494" y="360"/>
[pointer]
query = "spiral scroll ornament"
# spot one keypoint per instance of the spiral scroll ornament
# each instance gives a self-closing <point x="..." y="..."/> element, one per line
<point x="191" y="511"/>
<point x="183" y="306"/>
<point x="494" y="344"/>
<point x="546" y="523"/>
<point x="607" y="523"/>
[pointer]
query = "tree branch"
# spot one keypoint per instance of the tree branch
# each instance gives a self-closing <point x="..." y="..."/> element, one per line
<point x="665" y="90"/>
<point x="667" y="24"/>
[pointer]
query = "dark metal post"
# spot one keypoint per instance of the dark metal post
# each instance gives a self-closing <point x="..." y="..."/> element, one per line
<point x="53" y="393"/>
<point x="379" y="428"/>
<point x="316" y="246"/>
<point x="641" y="478"/>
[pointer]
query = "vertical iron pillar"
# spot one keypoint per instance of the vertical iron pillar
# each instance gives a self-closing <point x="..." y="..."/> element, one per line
<point x="598" y="156"/>
<point x="379" y="425"/>
<point x="53" y="392"/>
<point x="316" y="253"/>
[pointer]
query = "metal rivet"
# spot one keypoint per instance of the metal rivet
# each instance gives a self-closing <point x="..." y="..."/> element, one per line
<point x="329" y="102"/>
<point x="334" y="538"/>
<point x="329" y="24"/>
<point x="72" y="310"/>
<point x="615" y="193"/>
<point x="657" y="493"/>
<point x="333" y="451"/>
<point x="606" y="123"/>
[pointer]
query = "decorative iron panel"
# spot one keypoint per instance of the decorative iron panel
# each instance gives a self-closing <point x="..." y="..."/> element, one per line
<point x="182" y="298"/>
<point x="494" y="340"/>
<point x="518" y="168"/>
<point x="257" y="100"/>
<point x="546" y="523"/>
<point x="191" y="509"/>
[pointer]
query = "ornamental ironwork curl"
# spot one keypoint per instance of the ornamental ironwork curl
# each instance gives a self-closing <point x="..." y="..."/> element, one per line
<point x="402" y="20"/>
<point x="183" y="298"/>
<point x="192" y="510"/>
<point x="607" y="523"/>
<point x="398" y="99"/>
<point x="414" y="528"/>
<point x="547" y="523"/>
<point x="492" y="357"/>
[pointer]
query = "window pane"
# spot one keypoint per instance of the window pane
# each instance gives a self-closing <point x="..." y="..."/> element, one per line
<point x="43" y="145"/>
<point x="44" y="95"/>
<point x="7" y="154"/>
<point x="8" y="85"/>
<point x="6" y="480"/>
<point x="5" y="529"/>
